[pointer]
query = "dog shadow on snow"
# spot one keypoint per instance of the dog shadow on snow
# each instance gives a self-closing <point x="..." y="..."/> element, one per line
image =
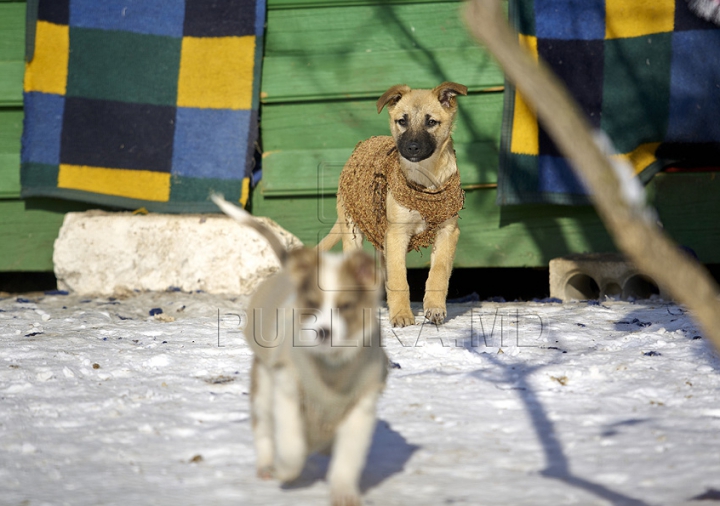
<point x="389" y="452"/>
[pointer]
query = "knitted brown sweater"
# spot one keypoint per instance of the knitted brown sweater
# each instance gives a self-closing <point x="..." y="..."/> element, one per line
<point x="374" y="167"/>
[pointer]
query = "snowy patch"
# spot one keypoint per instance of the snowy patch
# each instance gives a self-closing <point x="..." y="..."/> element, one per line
<point x="492" y="408"/>
<point x="158" y="361"/>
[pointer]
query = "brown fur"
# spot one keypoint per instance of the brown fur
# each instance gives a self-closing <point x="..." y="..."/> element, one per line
<point x="421" y="123"/>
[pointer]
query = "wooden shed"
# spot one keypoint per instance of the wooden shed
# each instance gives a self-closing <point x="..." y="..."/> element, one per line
<point x="326" y="62"/>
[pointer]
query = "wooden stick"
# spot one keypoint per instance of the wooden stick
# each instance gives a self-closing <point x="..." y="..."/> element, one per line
<point x="628" y="221"/>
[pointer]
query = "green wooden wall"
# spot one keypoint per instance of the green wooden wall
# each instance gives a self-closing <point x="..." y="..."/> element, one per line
<point x="12" y="53"/>
<point x="325" y="65"/>
<point x="326" y="62"/>
<point x="27" y="229"/>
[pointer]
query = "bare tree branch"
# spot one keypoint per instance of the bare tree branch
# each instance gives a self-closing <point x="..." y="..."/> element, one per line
<point x="628" y="220"/>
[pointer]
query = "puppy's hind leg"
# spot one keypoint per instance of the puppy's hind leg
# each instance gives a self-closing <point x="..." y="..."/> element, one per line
<point x="289" y="430"/>
<point x="261" y="400"/>
<point x="352" y="442"/>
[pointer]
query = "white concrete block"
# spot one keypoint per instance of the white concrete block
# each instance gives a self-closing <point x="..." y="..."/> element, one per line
<point x="113" y="253"/>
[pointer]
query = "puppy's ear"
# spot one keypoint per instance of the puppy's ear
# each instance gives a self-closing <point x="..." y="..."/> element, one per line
<point x="301" y="263"/>
<point x="363" y="269"/>
<point x="392" y="96"/>
<point x="447" y="92"/>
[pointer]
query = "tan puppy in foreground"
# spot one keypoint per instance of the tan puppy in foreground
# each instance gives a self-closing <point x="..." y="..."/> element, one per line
<point x="403" y="192"/>
<point x="318" y="366"/>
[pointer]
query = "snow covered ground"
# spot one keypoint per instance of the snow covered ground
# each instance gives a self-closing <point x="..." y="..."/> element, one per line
<point x="505" y="404"/>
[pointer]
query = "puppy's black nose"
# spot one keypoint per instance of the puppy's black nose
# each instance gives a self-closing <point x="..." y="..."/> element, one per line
<point x="413" y="148"/>
<point x="323" y="334"/>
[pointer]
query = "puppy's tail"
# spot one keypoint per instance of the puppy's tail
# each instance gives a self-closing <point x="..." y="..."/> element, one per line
<point x="331" y="239"/>
<point x="242" y="216"/>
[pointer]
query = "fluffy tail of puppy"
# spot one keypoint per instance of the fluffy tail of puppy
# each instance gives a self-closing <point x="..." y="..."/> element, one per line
<point x="242" y="216"/>
<point x="331" y="239"/>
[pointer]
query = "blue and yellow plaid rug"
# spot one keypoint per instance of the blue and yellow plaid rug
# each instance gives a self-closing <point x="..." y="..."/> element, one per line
<point x="142" y="103"/>
<point x="647" y="72"/>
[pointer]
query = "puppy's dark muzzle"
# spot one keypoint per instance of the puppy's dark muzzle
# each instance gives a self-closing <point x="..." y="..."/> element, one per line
<point x="416" y="148"/>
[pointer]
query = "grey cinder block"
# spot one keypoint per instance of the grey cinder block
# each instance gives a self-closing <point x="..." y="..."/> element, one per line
<point x="590" y="276"/>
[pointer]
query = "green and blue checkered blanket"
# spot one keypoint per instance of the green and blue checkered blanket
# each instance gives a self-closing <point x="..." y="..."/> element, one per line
<point x="142" y="103"/>
<point x="647" y="72"/>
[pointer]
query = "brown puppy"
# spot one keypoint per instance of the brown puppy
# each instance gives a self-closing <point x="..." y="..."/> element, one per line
<point x="319" y="366"/>
<point x="403" y="192"/>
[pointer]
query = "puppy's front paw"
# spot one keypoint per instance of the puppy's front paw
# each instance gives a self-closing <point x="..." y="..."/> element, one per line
<point x="345" y="498"/>
<point x="403" y="318"/>
<point x="436" y="315"/>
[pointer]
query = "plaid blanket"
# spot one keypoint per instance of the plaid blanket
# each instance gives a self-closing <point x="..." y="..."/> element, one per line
<point x="647" y="72"/>
<point x="142" y="103"/>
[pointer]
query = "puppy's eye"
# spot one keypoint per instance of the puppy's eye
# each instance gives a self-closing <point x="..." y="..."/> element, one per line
<point x="431" y="122"/>
<point x="402" y="122"/>
<point x="344" y="308"/>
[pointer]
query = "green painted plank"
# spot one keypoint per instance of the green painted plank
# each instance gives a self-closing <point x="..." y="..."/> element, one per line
<point x="28" y="235"/>
<point x="321" y="125"/>
<point x="357" y="75"/>
<point x="9" y="175"/>
<point x="358" y="52"/>
<point x="12" y="52"/>
<point x="527" y="236"/>
<point x="302" y="172"/>
<point x="11" y="121"/>
<point x="11" y="83"/>
<point x="377" y="28"/>
<point x="12" y="31"/>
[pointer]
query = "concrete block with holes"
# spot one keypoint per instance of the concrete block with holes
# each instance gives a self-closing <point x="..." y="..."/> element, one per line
<point x="590" y="276"/>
